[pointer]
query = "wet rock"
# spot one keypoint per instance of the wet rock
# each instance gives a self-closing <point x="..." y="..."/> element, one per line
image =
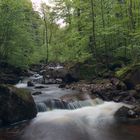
<point x="82" y="70"/>
<point x="0" y="123"/>
<point x="132" y="93"/>
<point x="131" y="113"/>
<point x="54" y="73"/>
<point x="30" y="84"/>
<point x="15" y="105"/>
<point x="13" y="132"/>
<point x="40" y="87"/>
<point x="59" y="74"/>
<point x="36" y="93"/>
<point x="10" y="74"/>
<point x="36" y="78"/>
<point x="103" y="87"/>
<point x="62" y="85"/>
<point x="128" y="115"/>
<point x="107" y="89"/>
<point x="118" y="83"/>
<point x="69" y="78"/>
<point x="137" y="88"/>
<point x="37" y="67"/>
<point x="42" y="72"/>
<point x="31" y="73"/>
<point x="50" y="81"/>
<point x="115" y="65"/>
<point x="122" y="114"/>
<point x="130" y="75"/>
<point x="129" y="100"/>
<point x="6" y="78"/>
<point x="59" y="81"/>
<point x="107" y="74"/>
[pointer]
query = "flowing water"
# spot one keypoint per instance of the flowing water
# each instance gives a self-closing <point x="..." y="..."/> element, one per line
<point x="88" y="123"/>
<point x="78" y="120"/>
<point x="50" y="97"/>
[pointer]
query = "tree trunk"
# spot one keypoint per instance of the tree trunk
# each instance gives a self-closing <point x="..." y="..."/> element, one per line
<point x="94" y="50"/>
<point x="46" y="36"/>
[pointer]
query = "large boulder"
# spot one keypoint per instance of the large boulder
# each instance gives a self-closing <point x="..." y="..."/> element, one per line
<point x="130" y="75"/>
<point x="30" y="84"/>
<point x="59" y="75"/>
<point x="15" y="105"/>
<point x="128" y="115"/>
<point x="9" y="78"/>
<point x="10" y="74"/>
<point x="82" y="71"/>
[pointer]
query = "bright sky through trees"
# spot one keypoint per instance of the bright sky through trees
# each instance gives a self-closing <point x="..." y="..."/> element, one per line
<point x="37" y="3"/>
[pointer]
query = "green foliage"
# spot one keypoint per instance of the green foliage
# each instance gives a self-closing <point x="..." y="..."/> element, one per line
<point x="123" y="72"/>
<point x="20" y="32"/>
<point x="116" y="30"/>
<point x="101" y="30"/>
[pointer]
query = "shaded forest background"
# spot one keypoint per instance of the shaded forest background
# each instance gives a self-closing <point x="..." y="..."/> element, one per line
<point x="102" y="31"/>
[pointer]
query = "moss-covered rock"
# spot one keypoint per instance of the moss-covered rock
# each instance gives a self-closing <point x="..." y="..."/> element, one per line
<point x="115" y="65"/>
<point x="137" y="88"/>
<point x="130" y="75"/>
<point x="15" y="105"/>
<point x="10" y="74"/>
<point x="83" y="71"/>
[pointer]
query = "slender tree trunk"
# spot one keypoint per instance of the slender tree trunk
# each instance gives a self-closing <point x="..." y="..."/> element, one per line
<point x="104" y="38"/>
<point x="132" y="22"/>
<point x="94" y="50"/>
<point x="46" y="36"/>
<point x="132" y="26"/>
<point x="78" y="17"/>
<point x="51" y="34"/>
<point x="69" y="14"/>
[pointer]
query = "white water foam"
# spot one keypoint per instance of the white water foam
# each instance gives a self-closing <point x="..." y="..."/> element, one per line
<point x="87" y="123"/>
<point x="21" y="85"/>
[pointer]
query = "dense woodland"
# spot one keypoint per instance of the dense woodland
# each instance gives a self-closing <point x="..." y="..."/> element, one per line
<point x="104" y="31"/>
<point x="67" y="55"/>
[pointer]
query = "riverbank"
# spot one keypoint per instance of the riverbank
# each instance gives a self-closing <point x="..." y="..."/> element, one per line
<point x="61" y="87"/>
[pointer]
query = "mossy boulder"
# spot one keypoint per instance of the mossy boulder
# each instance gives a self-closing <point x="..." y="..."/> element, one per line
<point x="83" y="71"/>
<point x="10" y="74"/>
<point x="15" y="105"/>
<point x="137" y="88"/>
<point x="130" y="75"/>
<point x="115" y="65"/>
<point x="56" y="76"/>
<point x="128" y="115"/>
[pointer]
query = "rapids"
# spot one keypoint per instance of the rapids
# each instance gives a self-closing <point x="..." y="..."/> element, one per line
<point x="88" y="123"/>
<point x="78" y="120"/>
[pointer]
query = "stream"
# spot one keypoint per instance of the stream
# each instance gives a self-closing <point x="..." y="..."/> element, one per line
<point x="87" y="123"/>
<point x="77" y="120"/>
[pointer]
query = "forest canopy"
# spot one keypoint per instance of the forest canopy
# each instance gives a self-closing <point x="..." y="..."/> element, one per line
<point x="100" y="30"/>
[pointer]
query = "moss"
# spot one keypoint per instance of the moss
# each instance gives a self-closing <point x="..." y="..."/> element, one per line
<point x="86" y="71"/>
<point x="15" y="105"/>
<point x="24" y="94"/>
<point x="122" y="73"/>
<point x="21" y="93"/>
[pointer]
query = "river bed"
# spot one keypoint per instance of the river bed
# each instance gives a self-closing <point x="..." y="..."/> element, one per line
<point x="88" y="123"/>
<point x="78" y="120"/>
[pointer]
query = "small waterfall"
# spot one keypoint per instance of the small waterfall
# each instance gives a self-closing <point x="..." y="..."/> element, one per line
<point x="37" y="78"/>
<point x="41" y="107"/>
<point x="87" y="123"/>
<point x="59" y="104"/>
